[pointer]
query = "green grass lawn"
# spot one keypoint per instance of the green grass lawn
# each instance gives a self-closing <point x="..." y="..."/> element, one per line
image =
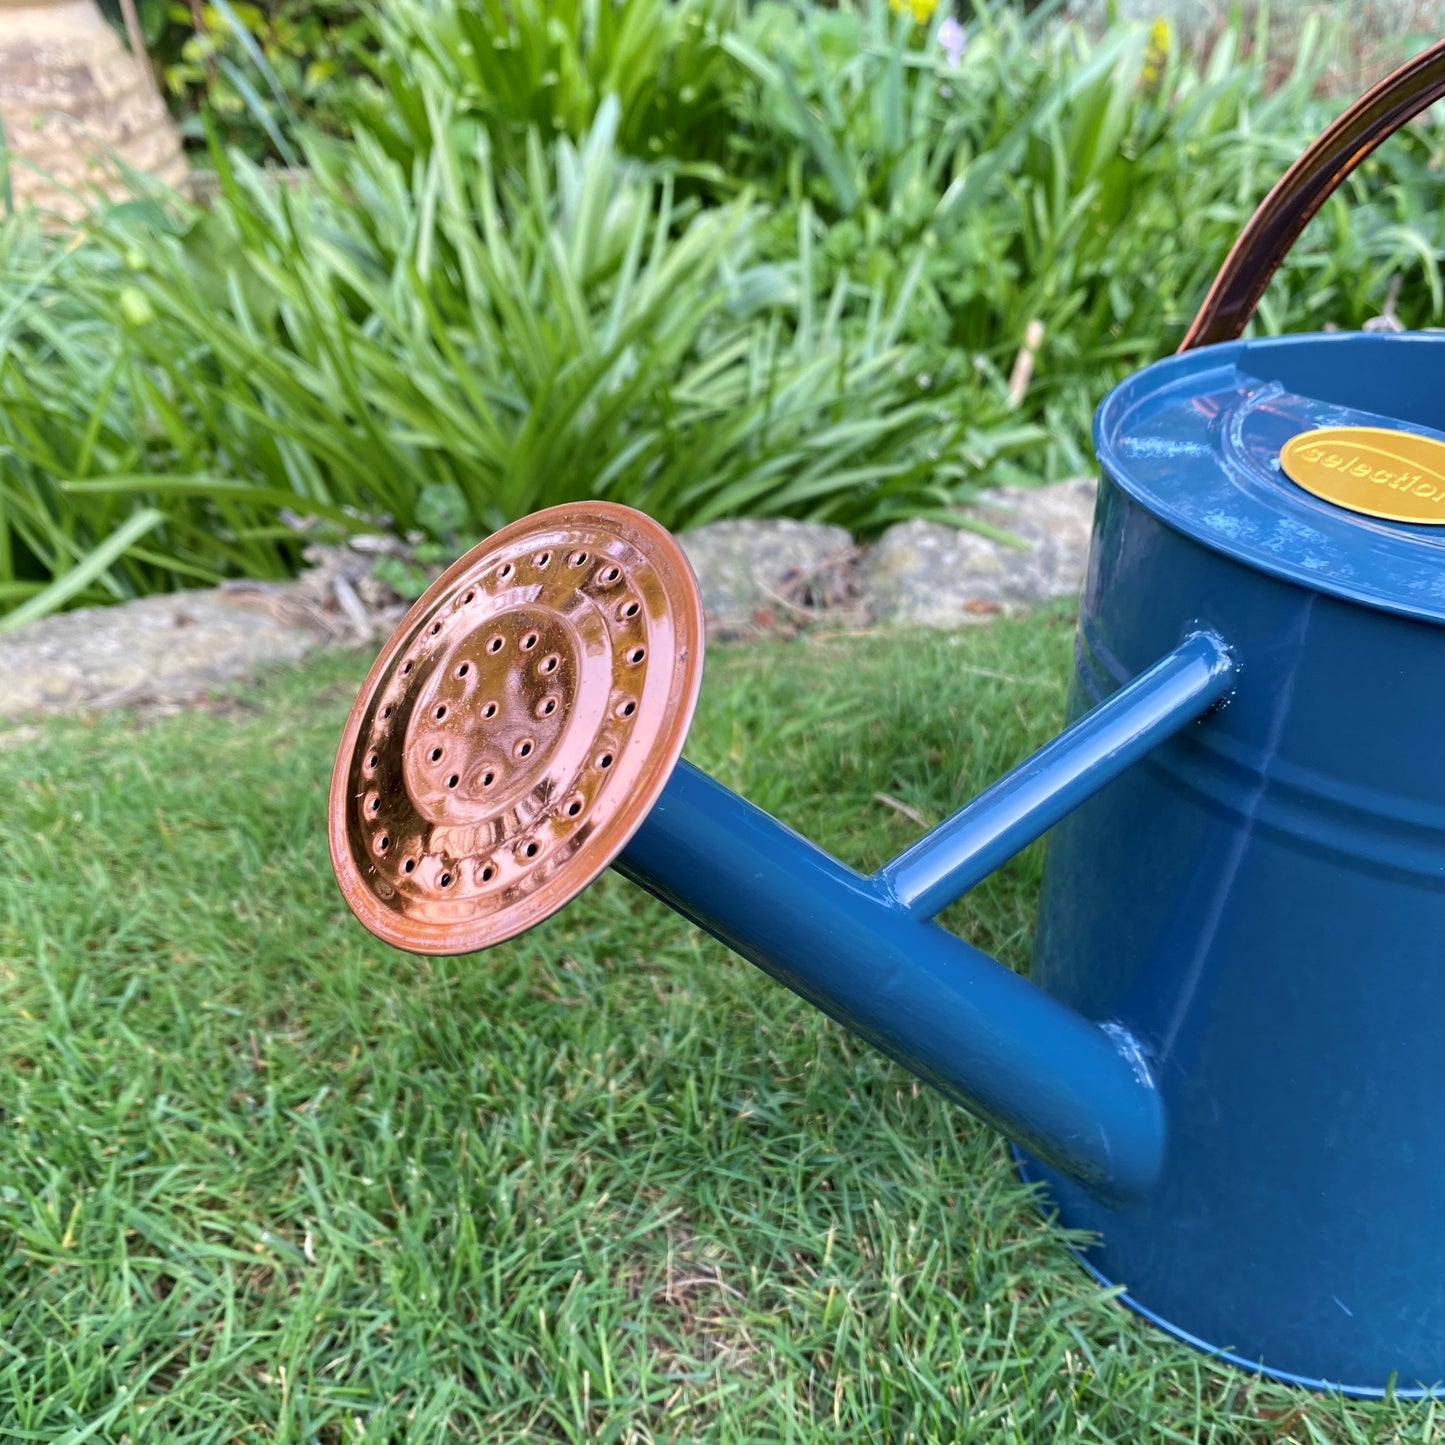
<point x="264" y="1179"/>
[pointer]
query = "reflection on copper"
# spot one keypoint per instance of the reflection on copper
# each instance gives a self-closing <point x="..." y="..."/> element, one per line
<point x="1305" y="187"/>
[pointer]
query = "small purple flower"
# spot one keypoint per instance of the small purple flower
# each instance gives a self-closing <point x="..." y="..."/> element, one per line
<point x="951" y="38"/>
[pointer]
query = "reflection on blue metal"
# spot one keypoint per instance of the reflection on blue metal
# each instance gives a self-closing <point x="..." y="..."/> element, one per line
<point x="1077" y="1093"/>
<point x="1196" y="440"/>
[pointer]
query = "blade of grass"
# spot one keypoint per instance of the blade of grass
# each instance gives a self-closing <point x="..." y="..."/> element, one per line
<point x="86" y="571"/>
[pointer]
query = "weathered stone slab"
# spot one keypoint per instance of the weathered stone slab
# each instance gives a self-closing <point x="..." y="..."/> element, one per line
<point x="755" y="574"/>
<point x="933" y="575"/>
<point x="171" y="648"/>
<point x="755" y="577"/>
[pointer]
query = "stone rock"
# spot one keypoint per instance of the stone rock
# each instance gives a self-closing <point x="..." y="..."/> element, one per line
<point x="929" y="574"/>
<point x="165" y="649"/>
<point x="75" y="107"/>
<point x="755" y="575"/>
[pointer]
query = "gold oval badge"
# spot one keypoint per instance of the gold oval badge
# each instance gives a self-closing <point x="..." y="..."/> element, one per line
<point x="1397" y="475"/>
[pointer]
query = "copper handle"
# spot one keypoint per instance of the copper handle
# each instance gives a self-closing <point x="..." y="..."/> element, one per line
<point x="1305" y="187"/>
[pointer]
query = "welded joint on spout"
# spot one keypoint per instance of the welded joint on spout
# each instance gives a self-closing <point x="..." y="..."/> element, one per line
<point x="1131" y="1050"/>
<point x="1230" y="664"/>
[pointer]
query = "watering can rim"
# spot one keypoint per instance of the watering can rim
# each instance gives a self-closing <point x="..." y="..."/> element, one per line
<point x="1275" y="526"/>
<point x="1229" y="504"/>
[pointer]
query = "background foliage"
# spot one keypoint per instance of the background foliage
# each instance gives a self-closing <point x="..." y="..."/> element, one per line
<point x="253" y="70"/>
<point x="709" y="257"/>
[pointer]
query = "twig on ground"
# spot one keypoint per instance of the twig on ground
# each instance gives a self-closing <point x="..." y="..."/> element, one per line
<point x="134" y="35"/>
<point x="899" y="806"/>
<point x="1387" y="320"/>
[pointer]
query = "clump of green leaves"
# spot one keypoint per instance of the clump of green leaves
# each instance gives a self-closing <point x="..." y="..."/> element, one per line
<point x="441" y="514"/>
<point x="708" y="257"/>
<point x="519" y="67"/>
<point x="252" y="69"/>
<point x="1091" y="185"/>
<point x="445" y="347"/>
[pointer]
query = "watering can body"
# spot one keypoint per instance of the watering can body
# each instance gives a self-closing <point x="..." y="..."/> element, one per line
<point x="1227" y="1066"/>
<point x="1261" y="901"/>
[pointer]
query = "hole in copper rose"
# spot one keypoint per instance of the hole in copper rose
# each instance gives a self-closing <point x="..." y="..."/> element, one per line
<point x="524" y="748"/>
<point x="383" y="843"/>
<point x="505" y="571"/>
<point x="464" y="669"/>
<point x="636" y="655"/>
<point x="627" y="709"/>
<point x="604" y="760"/>
<point x="467" y="597"/>
<point x="445" y="880"/>
<point x="542" y="559"/>
<point x="548" y="665"/>
<point x="373" y="760"/>
<point x="496" y="644"/>
<point x="374" y="805"/>
<point x="386" y="711"/>
<point x="529" y="642"/>
<point x="488" y="778"/>
<point x="547" y="707"/>
<point x="629" y="609"/>
<point x="490" y="710"/>
<point x="406" y="668"/>
<point x="453" y="780"/>
<point x="574" y="807"/>
<point x="606" y="576"/>
<point x="441" y="712"/>
<point x="436" y="755"/>
<point x="530" y="851"/>
<point x="409" y="866"/>
<point x="435" y="628"/>
<point x="577" y="559"/>
<point x="488" y="873"/>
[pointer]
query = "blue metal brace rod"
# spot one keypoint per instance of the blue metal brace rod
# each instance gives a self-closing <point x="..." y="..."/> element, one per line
<point x="984" y="834"/>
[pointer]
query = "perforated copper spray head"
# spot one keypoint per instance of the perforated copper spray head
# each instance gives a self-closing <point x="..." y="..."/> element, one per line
<point x="516" y="729"/>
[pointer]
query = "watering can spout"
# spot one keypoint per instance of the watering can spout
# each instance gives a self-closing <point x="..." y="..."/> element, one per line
<point x="522" y="731"/>
<point x="866" y="951"/>
<point x="1074" y="1093"/>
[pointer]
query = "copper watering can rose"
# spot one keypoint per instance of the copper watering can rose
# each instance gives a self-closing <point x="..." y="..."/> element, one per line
<point x="1226" y="1066"/>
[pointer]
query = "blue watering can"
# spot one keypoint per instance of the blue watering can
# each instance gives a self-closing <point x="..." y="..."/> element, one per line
<point x="1226" y="1065"/>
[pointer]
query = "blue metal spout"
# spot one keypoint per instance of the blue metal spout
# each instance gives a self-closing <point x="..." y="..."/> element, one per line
<point x="862" y="949"/>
